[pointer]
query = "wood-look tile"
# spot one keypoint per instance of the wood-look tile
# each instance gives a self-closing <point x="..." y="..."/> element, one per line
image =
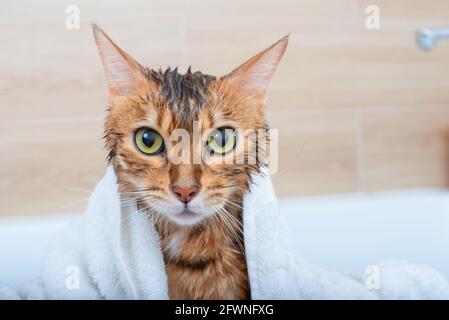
<point x="357" y="110"/>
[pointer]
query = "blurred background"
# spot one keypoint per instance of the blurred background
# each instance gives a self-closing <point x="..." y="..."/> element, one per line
<point x="357" y="110"/>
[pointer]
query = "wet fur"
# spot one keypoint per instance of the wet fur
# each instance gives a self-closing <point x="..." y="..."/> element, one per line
<point x="205" y="260"/>
<point x="208" y="262"/>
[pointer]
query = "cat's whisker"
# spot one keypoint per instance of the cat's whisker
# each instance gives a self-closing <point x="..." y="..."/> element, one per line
<point x="227" y="200"/>
<point x="238" y="236"/>
<point x="68" y="205"/>
<point x="138" y="200"/>
<point x="229" y="220"/>
<point x="215" y="217"/>
<point x="72" y="189"/>
<point x="79" y="201"/>
<point x="233" y="203"/>
<point x="233" y="218"/>
<point x="216" y="222"/>
<point x="136" y="212"/>
<point x="236" y="223"/>
<point x="226" y="221"/>
<point x="72" y="204"/>
<point x="132" y="214"/>
<point x="230" y="186"/>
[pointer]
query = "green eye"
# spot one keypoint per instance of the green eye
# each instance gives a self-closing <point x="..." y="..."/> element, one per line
<point x="221" y="140"/>
<point x="149" y="141"/>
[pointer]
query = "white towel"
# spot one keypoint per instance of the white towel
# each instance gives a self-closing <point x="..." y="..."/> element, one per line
<point x="113" y="252"/>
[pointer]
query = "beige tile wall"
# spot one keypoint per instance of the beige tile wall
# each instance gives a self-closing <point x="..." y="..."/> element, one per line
<point x="357" y="110"/>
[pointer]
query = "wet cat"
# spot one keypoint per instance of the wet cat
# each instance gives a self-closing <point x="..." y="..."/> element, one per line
<point x="196" y="203"/>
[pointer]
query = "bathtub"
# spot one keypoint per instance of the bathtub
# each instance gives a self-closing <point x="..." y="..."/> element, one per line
<point x="343" y="233"/>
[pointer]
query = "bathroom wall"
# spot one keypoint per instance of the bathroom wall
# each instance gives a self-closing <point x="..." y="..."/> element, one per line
<point x="357" y="109"/>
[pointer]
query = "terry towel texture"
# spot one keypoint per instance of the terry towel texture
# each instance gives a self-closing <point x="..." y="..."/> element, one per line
<point x="114" y="252"/>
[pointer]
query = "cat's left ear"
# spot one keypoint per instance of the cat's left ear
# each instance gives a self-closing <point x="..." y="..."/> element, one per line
<point x="253" y="76"/>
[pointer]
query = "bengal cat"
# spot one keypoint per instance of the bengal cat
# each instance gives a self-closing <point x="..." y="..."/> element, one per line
<point x="196" y="205"/>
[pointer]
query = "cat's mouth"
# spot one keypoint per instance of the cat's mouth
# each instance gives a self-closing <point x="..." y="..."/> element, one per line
<point x="186" y="213"/>
<point x="187" y="217"/>
<point x="182" y="214"/>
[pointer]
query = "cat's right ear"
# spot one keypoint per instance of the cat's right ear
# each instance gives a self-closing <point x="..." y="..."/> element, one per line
<point x="123" y="74"/>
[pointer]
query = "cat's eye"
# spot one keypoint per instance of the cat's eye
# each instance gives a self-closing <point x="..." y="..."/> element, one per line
<point x="149" y="141"/>
<point x="221" y="140"/>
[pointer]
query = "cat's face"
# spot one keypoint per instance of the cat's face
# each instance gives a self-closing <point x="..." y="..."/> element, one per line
<point x="185" y="146"/>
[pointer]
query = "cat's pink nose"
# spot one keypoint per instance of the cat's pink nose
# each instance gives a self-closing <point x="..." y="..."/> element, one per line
<point x="185" y="194"/>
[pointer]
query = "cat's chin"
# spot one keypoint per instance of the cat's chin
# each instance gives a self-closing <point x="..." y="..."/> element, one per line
<point x="187" y="218"/>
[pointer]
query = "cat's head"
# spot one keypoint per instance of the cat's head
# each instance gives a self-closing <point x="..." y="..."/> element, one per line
<point x="183" y="145"/>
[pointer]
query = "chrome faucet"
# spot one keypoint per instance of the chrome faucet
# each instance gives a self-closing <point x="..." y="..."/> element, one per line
<point x="428" y="37"/>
